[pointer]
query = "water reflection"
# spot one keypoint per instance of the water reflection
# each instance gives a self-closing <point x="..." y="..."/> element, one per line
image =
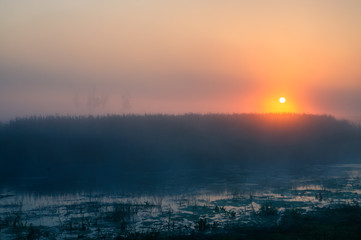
<point x="234" y="195"/>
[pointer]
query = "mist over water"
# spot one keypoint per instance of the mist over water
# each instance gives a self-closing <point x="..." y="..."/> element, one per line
<point x="154" y="152"/>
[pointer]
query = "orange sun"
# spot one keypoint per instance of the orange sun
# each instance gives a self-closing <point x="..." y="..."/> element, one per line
<point x="282" y="100"/>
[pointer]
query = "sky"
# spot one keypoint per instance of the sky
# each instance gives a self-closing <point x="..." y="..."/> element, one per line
<point x="172" y="57"/>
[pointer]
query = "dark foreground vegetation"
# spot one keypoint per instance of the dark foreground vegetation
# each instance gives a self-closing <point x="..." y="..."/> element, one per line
<point x="343" y="222"/>
<point x="108" y="150"/>
<point x="337" y="222"/>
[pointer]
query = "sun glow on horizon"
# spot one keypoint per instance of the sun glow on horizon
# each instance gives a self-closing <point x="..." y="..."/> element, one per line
<point x="137" y="57"/>
<point x="275" y="104"/>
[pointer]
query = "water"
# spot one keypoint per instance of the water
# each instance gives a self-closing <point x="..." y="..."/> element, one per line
<point x="230" y="196"/>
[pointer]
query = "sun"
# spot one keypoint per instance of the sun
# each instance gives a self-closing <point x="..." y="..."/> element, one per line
<point x="279" y="103"/>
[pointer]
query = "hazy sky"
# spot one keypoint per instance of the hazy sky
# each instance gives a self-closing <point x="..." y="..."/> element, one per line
<point x="162" y="56"/>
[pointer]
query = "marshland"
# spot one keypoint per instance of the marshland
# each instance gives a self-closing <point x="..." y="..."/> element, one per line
<point x="191" y="176"/>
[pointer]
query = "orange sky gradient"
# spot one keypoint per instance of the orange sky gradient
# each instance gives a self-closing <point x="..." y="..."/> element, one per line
<point x="99" y="57"/>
